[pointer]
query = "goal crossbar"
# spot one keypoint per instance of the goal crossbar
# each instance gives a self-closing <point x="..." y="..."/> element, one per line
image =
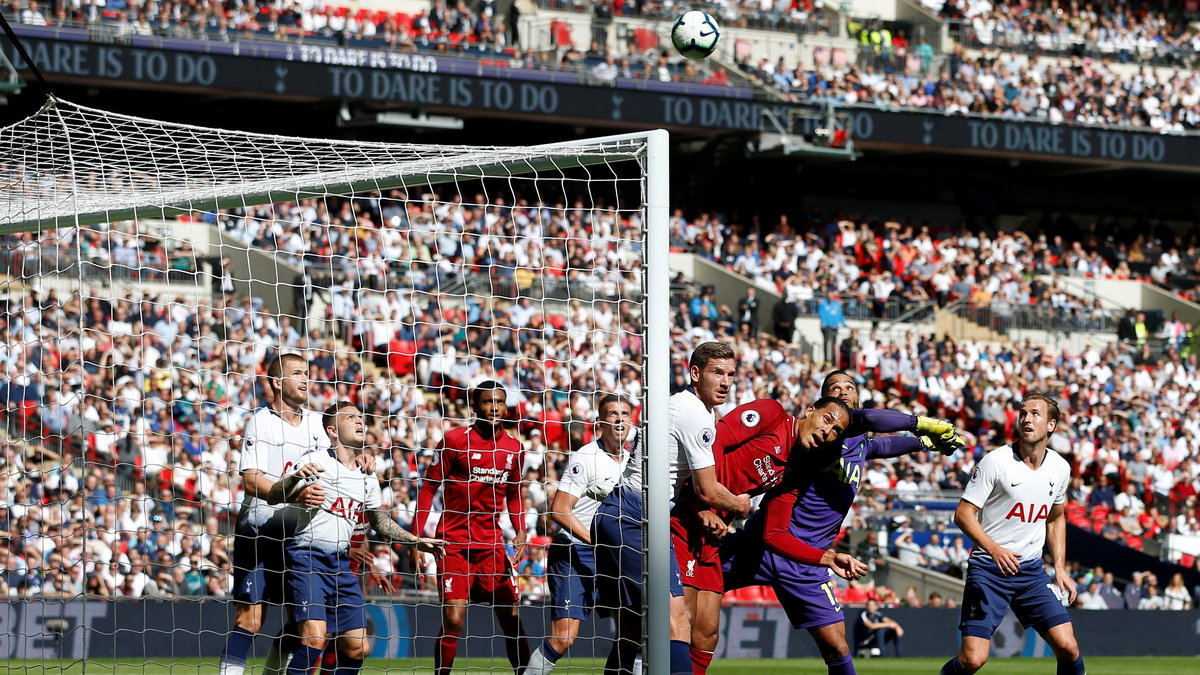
<point x="62" y="130"/>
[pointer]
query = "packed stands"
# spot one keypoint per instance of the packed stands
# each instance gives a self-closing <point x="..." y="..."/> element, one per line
<point x="1080" y="85"/>
<point x="1155" y="33"/>
<point x="122" y="413"/>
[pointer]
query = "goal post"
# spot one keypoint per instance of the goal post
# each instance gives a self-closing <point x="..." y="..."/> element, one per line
<point x="149" y="270"/>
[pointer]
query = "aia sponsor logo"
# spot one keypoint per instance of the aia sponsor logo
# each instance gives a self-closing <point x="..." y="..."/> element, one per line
<point x="1030" y="513"/>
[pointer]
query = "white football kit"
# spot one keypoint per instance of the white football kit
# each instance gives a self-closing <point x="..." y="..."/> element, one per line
<point x="590" y="466"/>
<point x="1015" y="500"/>
<point x="273" y="446"/>
<point x="349" y="494"/>
<point x="693" y="429"/>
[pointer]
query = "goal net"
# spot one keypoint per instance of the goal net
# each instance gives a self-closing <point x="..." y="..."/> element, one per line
<point x="150" y="272"/>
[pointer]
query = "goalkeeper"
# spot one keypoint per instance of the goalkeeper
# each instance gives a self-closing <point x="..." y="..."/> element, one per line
<point x="786" y="544"/>
<point x="594" y="470"/>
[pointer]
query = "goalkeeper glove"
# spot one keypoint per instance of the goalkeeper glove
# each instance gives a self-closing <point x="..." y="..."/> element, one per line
<point x="937" y="444"/>
<point x="931" y="426"/>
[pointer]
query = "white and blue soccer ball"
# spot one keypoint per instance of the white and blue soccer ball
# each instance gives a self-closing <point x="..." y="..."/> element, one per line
<point x="695" y="34"/>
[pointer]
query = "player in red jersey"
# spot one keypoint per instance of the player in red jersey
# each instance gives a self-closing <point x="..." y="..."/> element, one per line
<point x="752" y="446"/>
<point x="478" y="469"/>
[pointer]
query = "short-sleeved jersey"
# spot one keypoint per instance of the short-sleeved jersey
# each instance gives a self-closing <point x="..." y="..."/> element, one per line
<point x="693" y="432"/>
<point x="273" y="446"/>
<point x="589" y="465"/>
<point x="1014" y="500"/>
<point x="480" y="479"/>
<point x="349" y="494"/>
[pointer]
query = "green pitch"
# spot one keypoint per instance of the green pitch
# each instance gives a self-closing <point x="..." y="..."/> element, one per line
<point x="1096" y="666"/>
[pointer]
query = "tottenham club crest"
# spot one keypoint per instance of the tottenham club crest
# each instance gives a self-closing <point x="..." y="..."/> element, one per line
<point x="707" y="436"/>
<point x="750" y="419"/>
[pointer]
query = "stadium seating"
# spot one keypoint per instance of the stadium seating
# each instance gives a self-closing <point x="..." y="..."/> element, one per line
<point x="893" y="75"/>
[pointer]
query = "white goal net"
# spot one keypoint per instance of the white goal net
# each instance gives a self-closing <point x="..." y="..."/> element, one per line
<point x="150" y="273"/>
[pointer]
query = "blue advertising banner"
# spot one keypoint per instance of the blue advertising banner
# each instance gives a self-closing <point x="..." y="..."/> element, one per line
<point x="136" y="630"/>
<point x="469" y="87"/>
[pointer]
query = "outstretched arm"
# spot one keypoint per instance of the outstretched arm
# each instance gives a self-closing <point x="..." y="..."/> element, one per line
<point x="389" y="528"/>
<point x="778" y="539"/>
<point x="880" y="421"/>
<point x="882" y="447"/>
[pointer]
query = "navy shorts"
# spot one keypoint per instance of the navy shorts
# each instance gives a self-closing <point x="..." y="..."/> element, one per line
<point x="322" y="588"/>
<point x="620" y="555"/>
<point x="989" y="594"/>
<point x="572" y="580"/>
<point x="258" y="568"/>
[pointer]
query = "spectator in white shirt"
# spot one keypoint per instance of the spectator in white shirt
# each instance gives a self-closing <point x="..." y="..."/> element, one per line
<point x="936" y="554"/>
<point x="1129" y="499"/>
<point x="1091" y="598"/>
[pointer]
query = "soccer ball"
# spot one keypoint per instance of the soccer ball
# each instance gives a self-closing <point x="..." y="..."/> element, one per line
<point x="695" y="34"/>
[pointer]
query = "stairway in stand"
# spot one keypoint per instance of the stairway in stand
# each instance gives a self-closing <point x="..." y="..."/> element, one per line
<point x="960" y="328"/>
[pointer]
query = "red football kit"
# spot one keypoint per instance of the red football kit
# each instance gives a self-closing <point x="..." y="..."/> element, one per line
<point x="751" y="449"/>
<point x="480" y="478"/>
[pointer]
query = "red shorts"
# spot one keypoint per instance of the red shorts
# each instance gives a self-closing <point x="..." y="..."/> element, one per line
<point x="480" y="574"/>
<point x="698" y="556"/>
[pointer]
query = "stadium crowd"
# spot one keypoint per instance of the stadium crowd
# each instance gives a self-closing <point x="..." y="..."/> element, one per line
<point x="1071" y="89"/>
<point x="882" y="268"/>
<point x="1126" y="31"/>
<point x="1081" y="86"/>
<point x="122" y="413"/>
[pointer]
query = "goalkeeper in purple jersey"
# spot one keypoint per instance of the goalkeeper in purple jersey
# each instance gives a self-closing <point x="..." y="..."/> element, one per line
<point x="786" y="543"/>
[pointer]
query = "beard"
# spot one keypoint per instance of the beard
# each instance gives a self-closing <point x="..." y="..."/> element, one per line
<point x="295" y="399"/>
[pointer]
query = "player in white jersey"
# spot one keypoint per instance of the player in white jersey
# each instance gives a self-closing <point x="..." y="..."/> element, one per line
<point x="693" y="430"/>
<point x="591" y="474"/>
<point x="326" y="594"/>
<point x="272" y="442"/>
<point x="619" y="522"/>
<point x="1011" y="492"/>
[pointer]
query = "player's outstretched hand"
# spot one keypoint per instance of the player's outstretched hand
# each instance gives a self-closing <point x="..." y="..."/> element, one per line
<point x="847" y="566"/>
<point x="365" y="463"/>
<point x="937" y="444"/>
<point x="1066" y="585"/>
<point x="932" y="426"/>
<point x="1006" y="560"/>
<point x="713" y="524"/>
<point x="428" y="545"/>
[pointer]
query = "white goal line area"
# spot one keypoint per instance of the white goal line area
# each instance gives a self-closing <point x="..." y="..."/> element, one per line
<point x="150" y="272"/>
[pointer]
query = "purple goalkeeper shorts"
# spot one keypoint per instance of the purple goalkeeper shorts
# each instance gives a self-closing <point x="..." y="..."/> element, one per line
<point x="809" y="603"/>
